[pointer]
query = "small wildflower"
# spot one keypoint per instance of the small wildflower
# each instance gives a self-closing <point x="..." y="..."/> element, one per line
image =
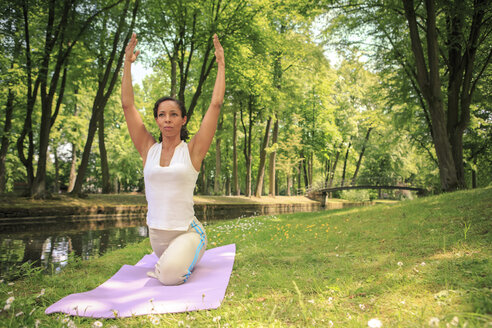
<point x="217" y="319"/>
<point x="155" y="321"/>
<point x="422" y="264"/>
<point x="97" y="324"/>
<point x="375" y="323"/>
<point x="19" y="314"/>
<point x="434" y="322"/>
<point x="10" y="300"/>
<point x="362" y="307"/>
<point x="330" y="299"/>
<point x="349" y="316"/>
<point x="400" y="264"/>
<point x="402" y="302"/>
<point x="41" y="293"/>
<point x="6" y="307"/>
<point x="65" y="320"/>
<point x="330" y="323"/>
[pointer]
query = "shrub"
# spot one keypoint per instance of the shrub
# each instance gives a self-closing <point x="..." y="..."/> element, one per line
<point x="356" y="195"/>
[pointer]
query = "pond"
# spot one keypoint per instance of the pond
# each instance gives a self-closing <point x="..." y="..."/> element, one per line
<point x="51" y="246"/>
<point x="50" y="243"/>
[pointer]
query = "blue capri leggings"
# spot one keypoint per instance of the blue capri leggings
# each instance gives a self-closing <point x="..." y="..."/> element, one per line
<point x="178" y="252"/>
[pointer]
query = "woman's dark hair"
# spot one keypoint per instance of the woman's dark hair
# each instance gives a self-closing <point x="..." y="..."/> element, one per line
<point x="184" y="131"/>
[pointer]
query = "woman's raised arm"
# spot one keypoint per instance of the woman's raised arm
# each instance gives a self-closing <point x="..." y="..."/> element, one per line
<point x="200" y="143"/>
<point x="141" y="138"/>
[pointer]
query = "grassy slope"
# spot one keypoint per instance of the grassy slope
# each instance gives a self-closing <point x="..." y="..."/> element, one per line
<point x="313" y="268"/>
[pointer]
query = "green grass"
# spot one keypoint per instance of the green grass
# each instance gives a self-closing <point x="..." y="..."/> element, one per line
<point x="403" y="264"/>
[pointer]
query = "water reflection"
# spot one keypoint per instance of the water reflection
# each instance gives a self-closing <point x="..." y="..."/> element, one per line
<point x="51" y="250"/>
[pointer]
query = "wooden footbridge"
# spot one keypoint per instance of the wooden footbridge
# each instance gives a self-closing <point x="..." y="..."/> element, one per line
<point x="370" y="183"/>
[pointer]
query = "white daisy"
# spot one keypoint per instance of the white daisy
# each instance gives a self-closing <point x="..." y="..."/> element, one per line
<point x="375" y="323"/>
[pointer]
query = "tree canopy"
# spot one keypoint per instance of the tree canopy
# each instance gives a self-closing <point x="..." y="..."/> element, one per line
<point x="407" y="99"/>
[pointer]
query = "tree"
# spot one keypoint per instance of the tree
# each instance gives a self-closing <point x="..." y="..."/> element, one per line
<point x="44" y="73"/>
<point x="462" y="51"/>
<point x="183" y="31"/>
<point x="106" y="82"/>
<point x="439" y="63"/>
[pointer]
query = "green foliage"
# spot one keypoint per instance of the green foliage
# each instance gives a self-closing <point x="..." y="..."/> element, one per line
<point x="275" y="56"/>
<point x="356" y="195"/>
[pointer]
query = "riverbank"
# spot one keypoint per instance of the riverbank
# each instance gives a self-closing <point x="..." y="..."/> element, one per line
<point x="99" y="211"/>
<point x="411" y="264"/>
<point x="135" y="199"/>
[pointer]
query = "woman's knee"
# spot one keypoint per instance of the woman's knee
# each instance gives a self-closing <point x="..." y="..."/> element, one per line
<point x="171" y="272"/>
<point x="178" y="261"/>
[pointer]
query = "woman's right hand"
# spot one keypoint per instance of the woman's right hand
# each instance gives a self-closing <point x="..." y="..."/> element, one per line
<point x="130" y="53"/>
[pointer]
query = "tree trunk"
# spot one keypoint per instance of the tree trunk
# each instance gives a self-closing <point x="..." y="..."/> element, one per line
<point x="6" y="138"/>
<point x="217" y="178"/>
<point x="228" y="187"/>
<point x="261" y="167"/>
<point x="103" y="154"/>
<point x="334" y="168"/>
<point x="474" y="173"/>
<point x="247" y="145"/>
<point x="310" y="168"/>
<point x="273" y="157"/>
<point x="56" y="184"/>
<point x="73" y="163"/>
<point x="73" y="168"/>
<point x="299" y="170"/>
<point x="31" y="100"/>
<point x="361" y="155"/>
<point x="430" y="85"/>
<point x="289" y="184"/>
<point x="173" y="75"/>
<point x="236" y="188"/>
<point x="345" y="164"/>
<point x="327" y="165"/>
<point x="304" y="170"/>
<point x="207" y="65"/>
<point x="203" y="179"/>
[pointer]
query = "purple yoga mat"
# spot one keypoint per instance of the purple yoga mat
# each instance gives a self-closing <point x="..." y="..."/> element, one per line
<point x="131" y="292"/>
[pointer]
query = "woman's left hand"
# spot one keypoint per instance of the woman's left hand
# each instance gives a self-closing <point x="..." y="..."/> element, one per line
<point x="219" y="51"/>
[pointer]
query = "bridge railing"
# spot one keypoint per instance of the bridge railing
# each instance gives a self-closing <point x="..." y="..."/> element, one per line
<point x="360" y="182"/>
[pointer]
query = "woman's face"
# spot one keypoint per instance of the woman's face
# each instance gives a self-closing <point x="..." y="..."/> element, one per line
<point x="169" y="118"/>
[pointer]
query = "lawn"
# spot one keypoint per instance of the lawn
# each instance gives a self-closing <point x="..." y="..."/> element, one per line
<point x="420" y="263"/>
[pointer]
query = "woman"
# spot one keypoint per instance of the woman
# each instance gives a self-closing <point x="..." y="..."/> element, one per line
<point x="170" y="172"/>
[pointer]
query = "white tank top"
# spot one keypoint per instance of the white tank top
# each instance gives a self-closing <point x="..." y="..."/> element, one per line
<point x="169" y="190"/>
